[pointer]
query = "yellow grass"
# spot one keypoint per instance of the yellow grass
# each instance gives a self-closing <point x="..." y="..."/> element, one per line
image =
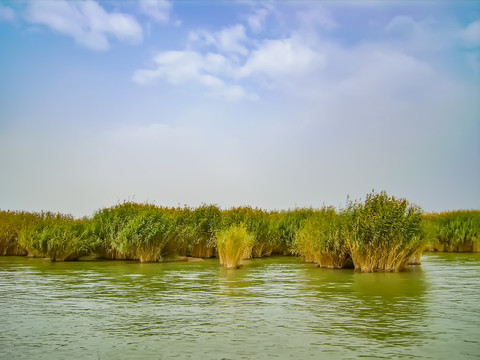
<point x="234" y="244"/>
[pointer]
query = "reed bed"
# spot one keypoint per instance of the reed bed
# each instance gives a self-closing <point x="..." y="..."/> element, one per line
<point x="56" y="237"/>
<point x="381" y="233"/>
<point x="11" y="223"/>
<point x="454" y="231"/>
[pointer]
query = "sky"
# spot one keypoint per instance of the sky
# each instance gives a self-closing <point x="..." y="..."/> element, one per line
<point x="271" y="104"/>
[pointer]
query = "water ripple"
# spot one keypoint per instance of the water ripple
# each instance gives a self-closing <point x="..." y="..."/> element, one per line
<point x="271" y="308"/>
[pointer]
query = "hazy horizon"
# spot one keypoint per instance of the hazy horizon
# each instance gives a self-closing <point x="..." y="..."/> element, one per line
<point x="271" y="104"/>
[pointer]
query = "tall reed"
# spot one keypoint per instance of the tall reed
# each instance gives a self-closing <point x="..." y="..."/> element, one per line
<point x="205" y="222"/>
<point x="11" y="223"/>
<point x="55" y="236"/>
<point x="233" y="244"/>
<point x="321" y="240"/>
<point x="455" y="231"/>
<point x="145" y="236"/>
<point x="288" y="224"/>
<point x="383" y="233"/>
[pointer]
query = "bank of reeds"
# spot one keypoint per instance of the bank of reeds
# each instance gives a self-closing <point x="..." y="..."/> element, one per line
<point x="204" y="223"/>
<point x="454" y="231"/>
<point x="383" y="233"/>
<point x="56" y="237"/>
<point x="379" y="234"/>
<point x="140" y="232"/>
<point x="262" y="225"/>
<point x="321" y="240"/>
<point x="289" y="224"/>
<point x="234" y="244"/>
<point x="11" y="223"/>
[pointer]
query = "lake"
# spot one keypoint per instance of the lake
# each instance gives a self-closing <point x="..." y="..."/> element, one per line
<point x="272" y="308"/>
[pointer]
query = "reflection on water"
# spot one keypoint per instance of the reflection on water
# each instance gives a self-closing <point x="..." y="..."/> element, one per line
<point x="271" y="308"/>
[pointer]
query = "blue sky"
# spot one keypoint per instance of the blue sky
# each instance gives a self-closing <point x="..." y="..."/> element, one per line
<point x="273" y="104"/>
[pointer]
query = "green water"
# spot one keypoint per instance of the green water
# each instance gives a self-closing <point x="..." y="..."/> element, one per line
<point x="275" y="308"/>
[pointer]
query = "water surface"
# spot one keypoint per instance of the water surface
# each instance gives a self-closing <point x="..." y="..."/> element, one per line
<point x="274" y="308"/>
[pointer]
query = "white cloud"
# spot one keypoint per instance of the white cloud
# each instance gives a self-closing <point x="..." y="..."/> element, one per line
<point x="229" y="40"/>
<point x="471" y="34"/>
<point x="279" y="58"/>
<point x="256" y="21"/>
<point x="192" y="68"/>
<point x="6" y="13"/>
<point x="158" y="10"/>
<point x="229" y="61"/>
<point x="273" y="60"/>
<point x="180" y="67"/>
<point x="86" y="21"/>
<point x="402" y="25"/>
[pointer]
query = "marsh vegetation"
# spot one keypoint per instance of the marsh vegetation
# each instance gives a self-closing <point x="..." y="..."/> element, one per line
<point x="381" y="233"/>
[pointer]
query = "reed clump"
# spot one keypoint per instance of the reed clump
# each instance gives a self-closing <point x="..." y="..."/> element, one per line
<point x="11" y="224"/>
<point x="383" y="232"/>
<point x="455" y="231"/>
<point x="289" y="223"/>
<point x="140" y="232"/>
<point x="261" y="224"/>
<point x="321" y="240"/>
<point x="233" y="245"/>
<point x="205" y="222"/>
<point x="145" y="236"/>
<point x="56" y="237"/>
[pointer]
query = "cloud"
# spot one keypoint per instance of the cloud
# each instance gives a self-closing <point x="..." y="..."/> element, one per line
<point x="86" y="21"/>
<point x="220" y="62"/>
<point x="272" y="60"/>
<point x="279" y="58"/>
<point x="397" y="64"/>
<point x="228" y="40"/>
<point x="158" y="10"/>
<point x="402" y="25"/>
<point x="256" y="21"/>
<point x="180" y="67"/>
<point x="471" y="35"/>
<point x="6" y="13"/>
<point x="192" y="68"/>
